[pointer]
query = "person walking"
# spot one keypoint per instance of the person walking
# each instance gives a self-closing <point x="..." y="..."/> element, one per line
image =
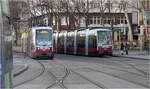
<point x="126" y="48"/>
<point x="122" y="48"/>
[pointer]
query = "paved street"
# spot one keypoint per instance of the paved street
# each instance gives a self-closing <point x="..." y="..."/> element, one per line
<point x="80" y="72"/>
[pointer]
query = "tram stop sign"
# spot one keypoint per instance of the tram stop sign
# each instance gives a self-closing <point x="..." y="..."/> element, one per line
<point x="6" y="56"/>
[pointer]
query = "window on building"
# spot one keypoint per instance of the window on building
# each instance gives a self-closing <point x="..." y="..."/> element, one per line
<point x="98" y="20"/>
<point x="118" y="20"/>
<point x="96" y="5"/>
<point x="122" y="21"/>
<point x="91" y="4"/>
<point x="91" y="20"/>
<point x="108" y="21"/>
<point x="95" y="19"/>
<point x="108" y="5"/>
<point x="105" y="21"/>
<point x="125" y="21"/>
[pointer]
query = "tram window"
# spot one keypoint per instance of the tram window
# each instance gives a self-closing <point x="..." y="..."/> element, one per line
<point x="78" y="39"/>
<point x="95" y="42"/>
<point x="61" y="40"/>
<point x="72" y="39"/>
<point x="68" y="39"/>
<point x="92" y="41"/>
<point x="82" y="39"/>
<point x="43" y="35"/>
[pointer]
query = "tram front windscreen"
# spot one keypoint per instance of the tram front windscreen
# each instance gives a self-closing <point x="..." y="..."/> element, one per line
<point x="43" y="36"/>
<point x="105" y="37"/>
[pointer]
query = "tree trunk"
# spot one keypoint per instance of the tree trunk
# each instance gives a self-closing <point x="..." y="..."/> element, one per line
<point x="16" y="33"/>
<point x="87" y="21"/>
<point x="130" y="36"/>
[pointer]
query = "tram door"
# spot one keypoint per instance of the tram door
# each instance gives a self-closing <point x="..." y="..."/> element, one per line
<point x="6" y="58"/>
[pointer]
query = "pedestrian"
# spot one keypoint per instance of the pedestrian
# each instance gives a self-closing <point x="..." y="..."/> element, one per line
<point x="122" y="48"/>
<point x="126" y="48"/>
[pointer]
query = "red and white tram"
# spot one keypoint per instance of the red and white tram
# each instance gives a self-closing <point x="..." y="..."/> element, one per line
<point x="38" y="42"/>
<point x="90" y="42"/>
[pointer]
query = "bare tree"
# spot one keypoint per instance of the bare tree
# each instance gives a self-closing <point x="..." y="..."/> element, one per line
<point x="102" y="9"/>
<point x="77" y="14"/>
<point x="18" y="10"/>
<point x="85" y="10"/>
<point x="56" y="7"/>
<point x="125" y="9"/>
<point x="73" y="11"/>
<point x="69" y="13"/>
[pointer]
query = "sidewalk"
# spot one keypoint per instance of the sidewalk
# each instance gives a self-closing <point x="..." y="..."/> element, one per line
<point x="133" y="54"/>
<point x="19" y="65"/>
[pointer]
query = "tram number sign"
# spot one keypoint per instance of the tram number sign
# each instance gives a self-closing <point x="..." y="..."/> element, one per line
<point x="43" y="31"/>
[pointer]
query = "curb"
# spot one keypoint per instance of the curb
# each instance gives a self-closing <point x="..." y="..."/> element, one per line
<point x="21" y="70"/>
<point x="131" y="57"/>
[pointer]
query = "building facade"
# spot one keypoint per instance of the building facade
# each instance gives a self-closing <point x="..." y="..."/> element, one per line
<point x="111" y="17"/>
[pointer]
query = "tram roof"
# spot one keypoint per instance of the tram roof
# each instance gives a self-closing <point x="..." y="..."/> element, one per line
<point x="45" y="28"/>
<point x="96" y="29"/>
<point x="99" y="29"/>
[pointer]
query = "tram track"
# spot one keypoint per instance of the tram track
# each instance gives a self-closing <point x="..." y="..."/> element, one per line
<point x="144" y="74"/>
<point x="117" y="69"/>
<point x="58" y="80"/>
<point x="125" y="61"/>
<point x="137" y="69"/>
<point x="33" y="78"/>
<point x="143" y="85"/>
<point x="101" y="86"/>
<point x="141" y="73"/>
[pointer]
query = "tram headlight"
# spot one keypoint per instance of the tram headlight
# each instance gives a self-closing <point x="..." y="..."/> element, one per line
<point x="50" y="48"/>
<point x="37" y="48"/>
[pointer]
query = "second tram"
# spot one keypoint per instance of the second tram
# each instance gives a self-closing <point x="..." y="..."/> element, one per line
<point x="90" y="42"/>
<point x="38" y="42"/>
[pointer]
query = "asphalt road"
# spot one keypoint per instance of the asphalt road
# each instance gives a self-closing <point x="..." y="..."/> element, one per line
<point x="80" y="72"/>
